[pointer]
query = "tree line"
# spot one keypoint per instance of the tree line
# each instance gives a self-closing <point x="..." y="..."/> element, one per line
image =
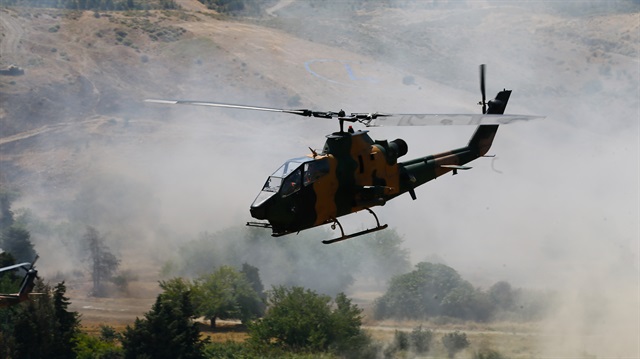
<point x="213" y="283"/>
<point x="436" y="290"/>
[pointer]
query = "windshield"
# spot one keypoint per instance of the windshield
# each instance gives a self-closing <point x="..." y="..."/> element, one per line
<point x="273" y="183"/>
<point x="289" y="166"/>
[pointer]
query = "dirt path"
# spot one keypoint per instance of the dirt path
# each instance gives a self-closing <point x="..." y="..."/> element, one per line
<point x="48" y="128"/>
<point x="279" y="5"/>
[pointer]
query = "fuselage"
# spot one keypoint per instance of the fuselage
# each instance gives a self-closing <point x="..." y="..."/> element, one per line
<point x="353" y="172"/>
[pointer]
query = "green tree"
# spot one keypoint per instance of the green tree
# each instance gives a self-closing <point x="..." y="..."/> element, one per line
<point x="299" y="319"/>
<point x="167" y="331"/>
<point x="42" y="327"/>
<point x="346" y="322"/>
<point x="6" y="214"/>
<point x="502" y="295"/>
<point x="226" y="294"/>
<point x="174" y="288"/>
<point x="432" y="290"/>
<point x="17" y="241"/>
<point x="9" y="281"/>
<point x="102" y="263"/>
<point x="290" y="261"/>
<point x="253" y="276"/>
<point x="67" y="324"/>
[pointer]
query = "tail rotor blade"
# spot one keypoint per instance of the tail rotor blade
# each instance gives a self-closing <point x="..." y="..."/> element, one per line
<point x="482" y="89"/>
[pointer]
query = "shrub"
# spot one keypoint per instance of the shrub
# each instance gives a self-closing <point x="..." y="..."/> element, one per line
<point x="299" y="319"/>
<point x="488" y="354"/>
<point x="421" y="340"/>
<point x="454" y="342"/>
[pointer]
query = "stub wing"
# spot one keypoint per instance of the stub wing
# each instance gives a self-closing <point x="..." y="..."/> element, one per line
<point x="456" y="167"/>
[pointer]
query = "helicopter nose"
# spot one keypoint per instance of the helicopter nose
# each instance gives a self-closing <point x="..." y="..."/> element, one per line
<point x="258" y="212"/>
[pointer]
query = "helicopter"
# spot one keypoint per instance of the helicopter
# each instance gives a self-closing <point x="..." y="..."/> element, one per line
<point x="26" y="286"/>
<point x="353" y="172"/>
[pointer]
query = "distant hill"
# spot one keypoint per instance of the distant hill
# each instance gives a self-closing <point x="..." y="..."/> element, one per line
<point x="87" y="72"/>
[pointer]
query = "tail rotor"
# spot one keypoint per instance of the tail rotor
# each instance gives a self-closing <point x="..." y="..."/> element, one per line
<point x="482" y="90"/>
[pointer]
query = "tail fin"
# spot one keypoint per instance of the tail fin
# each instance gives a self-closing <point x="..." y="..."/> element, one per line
<point x="498" y="104"/>
<point x="483" y="137"/>
<point x="27" y="284"/>
<point x="28" y="281"/>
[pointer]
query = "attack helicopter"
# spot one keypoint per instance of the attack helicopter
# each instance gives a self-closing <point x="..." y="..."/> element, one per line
<point x="25" y="287"/>
<point x="353" y="172"/>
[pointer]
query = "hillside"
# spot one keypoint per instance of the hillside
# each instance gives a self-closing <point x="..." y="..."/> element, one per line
<point x="84" y="68"/>
<point x="556" y="209"/>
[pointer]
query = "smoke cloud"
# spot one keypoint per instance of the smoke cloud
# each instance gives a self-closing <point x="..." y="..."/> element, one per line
<point x="556" y="209"/>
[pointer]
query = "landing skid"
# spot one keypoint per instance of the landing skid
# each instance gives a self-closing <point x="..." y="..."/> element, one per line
<point x="335" y="223"/>
<point x="347" y="236"/>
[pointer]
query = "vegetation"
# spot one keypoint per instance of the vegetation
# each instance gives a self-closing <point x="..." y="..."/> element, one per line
<point x="90" y="347"/>
<point x="102" y="263"/>
<point x="300" y="260"/>
<point x="40" y="328"/>
<point x="287" y="321"/>
<point x="17" y="241"/>
<point x="227" y="294"/>
<point x="244" y="7"/>
<point x="14" y="238"/>
<point x="6" y="214"/>
<point x="454" y="342"/>
<point x="303" y="320"/>
<point x="436" y="290"/>
<point x="486" y="353"/>
<point x="417" y="342"/>
<point x="167" y="331"/>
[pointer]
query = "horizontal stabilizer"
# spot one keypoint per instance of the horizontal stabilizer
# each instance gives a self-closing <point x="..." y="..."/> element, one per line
<point x="456" y="167"/>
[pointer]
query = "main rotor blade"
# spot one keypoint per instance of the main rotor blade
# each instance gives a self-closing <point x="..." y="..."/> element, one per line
<point x="426" y="119"/>
<point x="301" y="112"/>
<point x="24" y="266"/>
<point x="375" y="118"/>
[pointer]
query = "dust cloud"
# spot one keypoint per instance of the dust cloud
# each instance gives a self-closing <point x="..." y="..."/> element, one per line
<point x="556" y="209"/>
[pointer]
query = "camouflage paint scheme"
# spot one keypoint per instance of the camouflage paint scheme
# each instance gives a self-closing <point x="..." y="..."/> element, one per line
<point x="359" y="173"/>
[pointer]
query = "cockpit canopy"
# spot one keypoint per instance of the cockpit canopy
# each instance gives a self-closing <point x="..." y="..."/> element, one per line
<point x="291" y="176"/>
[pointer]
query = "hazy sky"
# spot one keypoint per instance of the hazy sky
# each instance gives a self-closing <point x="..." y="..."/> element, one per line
<point x="558" y="207"/>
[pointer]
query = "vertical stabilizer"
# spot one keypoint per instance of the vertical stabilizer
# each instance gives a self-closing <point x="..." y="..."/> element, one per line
<point x="483" y="137"/>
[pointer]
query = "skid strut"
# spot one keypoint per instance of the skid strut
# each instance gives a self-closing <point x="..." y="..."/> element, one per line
<point x="343" y="236"/>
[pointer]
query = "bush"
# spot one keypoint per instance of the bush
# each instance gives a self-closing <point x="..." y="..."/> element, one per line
<point x="488" y="354"/>
<point x="88" y="347"/>
<point x="401" y="340"/>
<point x="167" y="331"/>
<point x="299" y="319"/>
<point x="228" y="349"/>
<point x="421" y="340"/>
<point x="432" y="290"/>
<point x="454" y="342"/>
